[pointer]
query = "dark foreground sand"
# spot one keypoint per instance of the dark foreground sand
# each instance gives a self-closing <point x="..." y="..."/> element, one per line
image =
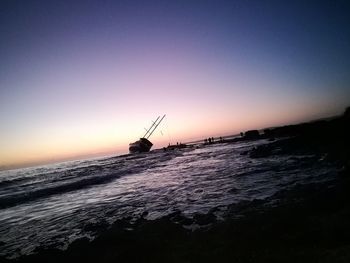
<point x="309" y="223"/>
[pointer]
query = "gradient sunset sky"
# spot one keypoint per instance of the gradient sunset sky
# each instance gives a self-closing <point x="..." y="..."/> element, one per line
<point x="86" y="77"/>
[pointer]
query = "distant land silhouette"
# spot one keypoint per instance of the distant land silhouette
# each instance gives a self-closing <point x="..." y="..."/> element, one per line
<point x="329" y="134"/>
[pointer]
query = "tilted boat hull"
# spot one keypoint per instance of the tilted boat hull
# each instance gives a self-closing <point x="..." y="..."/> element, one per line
<point x="142" y="145"/>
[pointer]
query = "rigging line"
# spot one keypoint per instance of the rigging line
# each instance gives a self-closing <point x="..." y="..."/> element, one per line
<point x="155" y="127"/>
<point x="154" y="122"/>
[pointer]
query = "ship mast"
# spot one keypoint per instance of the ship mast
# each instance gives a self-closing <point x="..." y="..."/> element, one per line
<point x="147" y="131"/>
<point x="155" y="127"/>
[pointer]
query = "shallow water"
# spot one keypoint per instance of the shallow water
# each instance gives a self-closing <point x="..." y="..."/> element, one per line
<point x="55" y="204"/>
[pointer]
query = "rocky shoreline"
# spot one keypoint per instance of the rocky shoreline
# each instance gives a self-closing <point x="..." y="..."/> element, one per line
<point x="308" y="223"/>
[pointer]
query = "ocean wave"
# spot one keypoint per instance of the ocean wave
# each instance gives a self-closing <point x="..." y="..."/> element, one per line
<point x="57" y="189"/>
<point x="27" y="189"/>
<point x="54" y="205"/>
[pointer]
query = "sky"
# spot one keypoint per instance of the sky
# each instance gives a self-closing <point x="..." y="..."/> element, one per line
<point x="84" y="78"/>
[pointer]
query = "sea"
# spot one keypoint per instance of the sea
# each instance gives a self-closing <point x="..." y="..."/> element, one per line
<point x="54" y="205"/>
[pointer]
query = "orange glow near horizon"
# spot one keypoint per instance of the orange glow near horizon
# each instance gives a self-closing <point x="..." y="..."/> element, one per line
<point x="89" y="81"/>
<point x="67" y="144"/>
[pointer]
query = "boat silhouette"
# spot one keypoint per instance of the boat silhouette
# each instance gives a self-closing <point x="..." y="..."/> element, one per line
<point x="143" y="144"/>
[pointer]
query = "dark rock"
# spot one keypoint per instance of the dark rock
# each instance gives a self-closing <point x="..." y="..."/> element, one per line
<point x="178" y="218"/>
<point x="252" y="134"/>
<point x="96" y="227"/>
<point x="261" y="151"/>
<point x="204" y="219"/>
<point x="79" y="244"/>
<point x="144" y="214"/>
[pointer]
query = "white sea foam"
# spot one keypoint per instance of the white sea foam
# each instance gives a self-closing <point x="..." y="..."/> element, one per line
<point x="52" y="205"/>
